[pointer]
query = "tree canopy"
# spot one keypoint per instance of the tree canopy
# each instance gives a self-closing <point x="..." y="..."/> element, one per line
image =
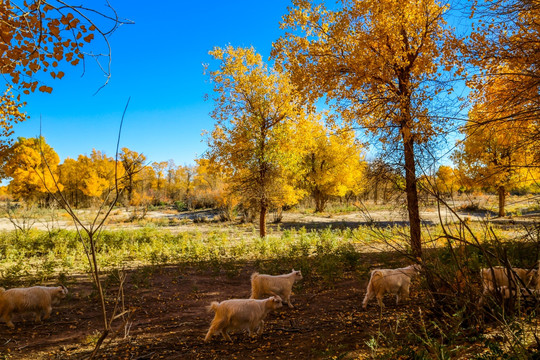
<point x="32" y="166"/>
<point x="256" y="111"/>
<point x="36" y="37"/>
<point x="379" y="63"/>
<point x="332" y="162"/>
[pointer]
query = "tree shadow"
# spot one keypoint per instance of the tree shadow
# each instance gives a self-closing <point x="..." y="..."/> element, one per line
<point x="341" y="224"/>
<point x="480" y="213"/>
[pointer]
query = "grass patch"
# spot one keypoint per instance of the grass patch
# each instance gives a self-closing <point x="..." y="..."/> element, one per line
<point x="41" y="255"/>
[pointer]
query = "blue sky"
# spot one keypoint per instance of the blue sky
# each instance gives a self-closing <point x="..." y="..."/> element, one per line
<point x="158" y="62"/>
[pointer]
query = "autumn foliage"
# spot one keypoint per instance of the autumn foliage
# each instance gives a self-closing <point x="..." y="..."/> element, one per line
<point x="384" y="69"/>
<point x="38" y="38"/>
<point x="345" y="79"/>
<point x="332" y="163"/>
<point x="256" y="112"/>
<point x="376" y="63"/>
<point x="33" y="166"/>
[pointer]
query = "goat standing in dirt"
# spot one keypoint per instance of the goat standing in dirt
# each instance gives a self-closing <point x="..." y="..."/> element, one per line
<point x="506" y="281"/>
<point x="501" y="276"/>
<point x="240" y="314"/>
<point x="394" y="281"/>
<point x="36" y="299"/>
<point x="280" y="285"/>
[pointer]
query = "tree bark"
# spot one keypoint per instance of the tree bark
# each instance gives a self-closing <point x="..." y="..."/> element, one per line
<point x="412" y="193"/>
<point x="262" y="221"/>
<point x="502" y="200"/>
<point x="320" y="201"/>
<point x="406" y="123"/>
<point x="130" y="188"/>
<point x="376" y="192"/>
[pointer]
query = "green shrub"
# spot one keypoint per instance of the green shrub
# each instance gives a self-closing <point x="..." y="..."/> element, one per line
<point x="180" y="206"/>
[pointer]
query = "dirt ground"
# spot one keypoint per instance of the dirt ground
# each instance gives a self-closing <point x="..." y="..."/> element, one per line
<point x="484" y="208"/>
<point x="170" y="320"/>
<point x="186" y="221"/>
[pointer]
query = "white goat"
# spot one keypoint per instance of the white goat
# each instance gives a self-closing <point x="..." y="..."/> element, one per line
<point x="506" y="292"/>
<point x="241" y="314"/>
<point x="36" y="299"/>
<point x="497" y="279"/>
<point x="280" y="285"/>
<point x="394" y="281"/>
<point x="498" y="276"/>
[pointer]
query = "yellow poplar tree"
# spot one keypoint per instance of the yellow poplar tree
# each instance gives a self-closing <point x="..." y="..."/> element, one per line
<point x="142" y="195"/>
<point x="503" y="47"/>
<point x="332" y="163"/>
<point x="132" y="163"/>
<point x="185" y="183"/>
<point x="173" y="189"/>
<point x="158" y="184"/>
<point x="30" y="178"/>
<point x="496" y="153"/>
<point x="207" y="176"/>
<point x="256" y="109"/>
<point x="70" y="171"/>
<point x="210" y="184"/>
<point x="446" y="180"/>
<point x="97" y="173"/>
<point x="378" y="63"/>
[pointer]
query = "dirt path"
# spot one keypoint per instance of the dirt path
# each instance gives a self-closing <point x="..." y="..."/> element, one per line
<point x="184" y="221"/>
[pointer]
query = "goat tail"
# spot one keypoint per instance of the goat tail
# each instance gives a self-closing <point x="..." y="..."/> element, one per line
<point x="212" y="307"/>
<point x="255" y="286"/>
<point x="376" y="276"/>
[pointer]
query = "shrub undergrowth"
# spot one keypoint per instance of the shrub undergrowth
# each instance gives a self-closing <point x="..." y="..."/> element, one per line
<point x="38" y="255"/>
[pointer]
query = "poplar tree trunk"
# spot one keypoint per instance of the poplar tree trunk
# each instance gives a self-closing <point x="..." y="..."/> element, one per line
<point x="320" y="201"/>
<point x="319" y="206"/>
<point x="412" y="193"/>
<point x="130" y="188"/>
<point x="262" y="221"/>
<point x="406" y="123"/>
<point x="502" y="200"/>
<point x="376" y="192"/>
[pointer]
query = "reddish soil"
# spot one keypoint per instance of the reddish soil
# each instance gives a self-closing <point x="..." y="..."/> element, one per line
<point x="170" y="320"/>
